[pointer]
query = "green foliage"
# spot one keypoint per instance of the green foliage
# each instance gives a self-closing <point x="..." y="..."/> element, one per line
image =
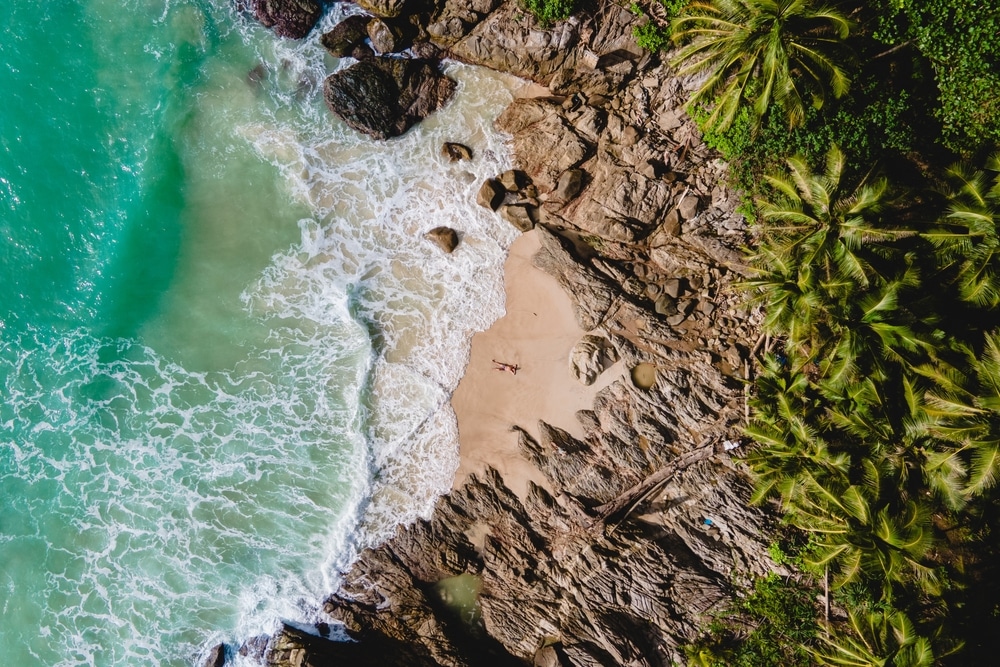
<point x="877" y="414"/>
<point x="773" y="626"/>
<point x="961" y="41"/>
<point x="654" y="35"/>
<point x="762" y="54"/>
<point x="878" y="638"/>
<point x="872" y="124"/>
<point x="651" y="37"/>
<point x="547" y="11"/>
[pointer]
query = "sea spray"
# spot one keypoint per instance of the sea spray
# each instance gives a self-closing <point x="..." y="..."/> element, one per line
<point x="223" y="336"/>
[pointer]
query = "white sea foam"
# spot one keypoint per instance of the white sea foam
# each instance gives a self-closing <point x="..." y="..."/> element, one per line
<point x="374" y="201"/>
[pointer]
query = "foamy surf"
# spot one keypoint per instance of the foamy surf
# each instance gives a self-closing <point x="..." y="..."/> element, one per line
<point x="373" y="203"/>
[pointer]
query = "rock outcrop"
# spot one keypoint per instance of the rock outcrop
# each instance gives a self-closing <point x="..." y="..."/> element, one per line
<point x="384" y="97"/>
<point x="341" y="40"/>
<point x="288" y="18"/>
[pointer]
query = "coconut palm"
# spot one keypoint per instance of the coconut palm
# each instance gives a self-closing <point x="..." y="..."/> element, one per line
<point x="889" y="418"/>
<point x="786" y="426"/>
<point x="760" y="52"/>
<point x="966" y="412"/>
<point x="863" y="529"/>
<point x="828" y="270"/>
<point x="968" y="238"/>
<point x="878" y="639"/>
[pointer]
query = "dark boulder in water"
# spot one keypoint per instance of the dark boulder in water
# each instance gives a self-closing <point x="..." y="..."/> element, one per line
<point x="456" y="152"/>
<point x="288" y="18"/>
<point x="341" y="40"/>
<point x="384" y="97"/>
<point x="216" y="657"/>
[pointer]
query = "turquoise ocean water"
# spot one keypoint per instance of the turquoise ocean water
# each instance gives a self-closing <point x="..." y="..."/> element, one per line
<point x="225" y="349"/>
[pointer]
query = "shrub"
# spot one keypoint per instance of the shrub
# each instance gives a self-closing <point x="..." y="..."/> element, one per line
<point x="547" y="11"/>
<point x="961" y="41"/>
<point x="771" y="627"/>
<point x="651" y="36"/>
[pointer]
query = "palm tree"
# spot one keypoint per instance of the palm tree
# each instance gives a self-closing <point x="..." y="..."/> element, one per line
<point x="968" y="238"/>
<point x="966" y="412"/>
<point x="878" y="639"/>
<point x="762" y="51"/>
<point x="864" y="530"/>
<point x="786" y="426"/>
<point x="828" y="269"/>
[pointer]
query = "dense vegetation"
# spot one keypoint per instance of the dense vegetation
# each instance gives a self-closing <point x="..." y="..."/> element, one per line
<point x="859" y="133"/>
<point x="547" y="11"/>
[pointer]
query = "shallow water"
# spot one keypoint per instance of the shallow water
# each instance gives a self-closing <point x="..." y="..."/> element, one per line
<point x="225" y="348"/>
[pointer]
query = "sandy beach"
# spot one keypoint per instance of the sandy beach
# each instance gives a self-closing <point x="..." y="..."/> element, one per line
<point x="537" y="334"/>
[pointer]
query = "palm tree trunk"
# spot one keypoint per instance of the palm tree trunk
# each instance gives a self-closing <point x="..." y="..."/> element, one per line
<point x="826" y="597"/>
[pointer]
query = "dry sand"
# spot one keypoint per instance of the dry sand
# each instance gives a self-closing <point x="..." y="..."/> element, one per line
<point x="537" y="333"/>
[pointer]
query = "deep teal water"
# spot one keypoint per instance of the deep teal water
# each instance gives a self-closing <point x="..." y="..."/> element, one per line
<point x="225" y="355"/>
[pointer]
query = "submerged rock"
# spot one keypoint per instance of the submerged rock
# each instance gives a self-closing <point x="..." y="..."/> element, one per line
<point x="384" y="97"/>
<point x="288" y="18"/>
<point x="445" y="237"/>
<point x="456" y="152"/>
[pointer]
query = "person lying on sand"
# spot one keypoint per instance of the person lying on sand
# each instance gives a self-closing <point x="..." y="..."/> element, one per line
<point x="500" y="366"/>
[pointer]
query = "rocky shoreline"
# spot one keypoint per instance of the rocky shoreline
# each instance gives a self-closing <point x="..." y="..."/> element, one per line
<point x="643" y="525"/>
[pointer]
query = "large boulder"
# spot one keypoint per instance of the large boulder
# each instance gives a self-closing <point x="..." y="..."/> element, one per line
<point x="341" y="40"/>
<point x="590" y="357"/>
<point x="385" y="37"/>
<point x="384" y="97"/>
<point x="288" y="18"/>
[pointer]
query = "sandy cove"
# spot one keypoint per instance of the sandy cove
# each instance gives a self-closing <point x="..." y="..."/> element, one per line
<point x="537" y="334"/>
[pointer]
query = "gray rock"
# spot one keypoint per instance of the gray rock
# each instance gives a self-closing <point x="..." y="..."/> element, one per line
<point x="384" y="37"/>
<point x="688" y="206"/>
<point x="445" y="237"/>
<point x="569" y="185"/>
<point x="665" y="305"/>
<point x="590" y="357"/>
<point x="672" y="287"/>
<point x="491" y="194"/>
